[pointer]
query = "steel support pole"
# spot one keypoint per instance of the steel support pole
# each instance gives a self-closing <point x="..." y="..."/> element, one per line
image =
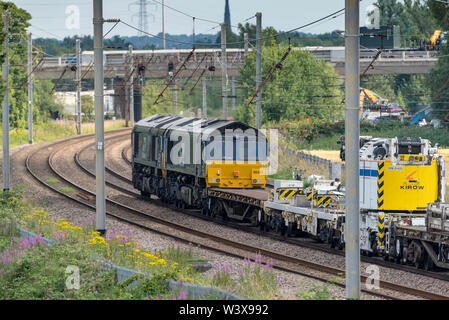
<point x="78" y="86"/>
<point x="30" y="89"/>
<point x="126" y="83"/>
<point x="5" y="105"/>
<point x="352" y="133"/>
<point x="99" y="116"/>
<point x="175" y="96"/>
<point x="131" y="84"/>
<point x="204" y="98"/>
<point x="224" y="71"/>
<point x="163" y="25"/>
<point x="258" y="69"/>
<point x="233" y="93"/>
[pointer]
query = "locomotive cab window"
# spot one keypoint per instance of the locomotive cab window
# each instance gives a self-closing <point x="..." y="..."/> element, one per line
<point x="152" y="148"/>
<point x="236" y="148"/>
<point x="250" y="148"/>
<point x="144" y="147"/>
<point x="136" y="144"/>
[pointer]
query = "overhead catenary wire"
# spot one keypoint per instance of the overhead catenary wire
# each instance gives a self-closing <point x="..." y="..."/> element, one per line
<point x="238" y="42"/>
<point x="187" y="14"/>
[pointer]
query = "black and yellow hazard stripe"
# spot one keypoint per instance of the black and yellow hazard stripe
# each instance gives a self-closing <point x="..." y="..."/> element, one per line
<point x="380" y="185"/>
<point x="323" y="201"/>
<point x="311" y="194"/>
<point x="288" y="193"/>
<point x="381" y="230"/>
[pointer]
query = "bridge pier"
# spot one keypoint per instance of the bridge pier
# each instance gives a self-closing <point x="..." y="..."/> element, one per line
<point x="120" y="100"/>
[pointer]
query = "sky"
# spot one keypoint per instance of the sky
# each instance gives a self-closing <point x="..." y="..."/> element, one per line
<point x="61" y="18"/>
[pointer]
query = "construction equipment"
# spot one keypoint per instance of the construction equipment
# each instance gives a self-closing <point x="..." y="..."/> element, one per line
<point x="434" y="40"/>
<point x="378" y="106"/>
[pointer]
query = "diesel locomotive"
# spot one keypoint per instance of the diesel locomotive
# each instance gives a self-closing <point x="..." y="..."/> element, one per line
<point x="179" y="158"/>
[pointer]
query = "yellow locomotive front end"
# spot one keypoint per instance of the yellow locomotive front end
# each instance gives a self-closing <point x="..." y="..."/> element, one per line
<point x="238" y="161"/>
<point x="232" y="174"/>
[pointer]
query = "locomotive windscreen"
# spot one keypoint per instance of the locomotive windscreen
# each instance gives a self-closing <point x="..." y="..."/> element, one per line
<point x="237" y="148"/>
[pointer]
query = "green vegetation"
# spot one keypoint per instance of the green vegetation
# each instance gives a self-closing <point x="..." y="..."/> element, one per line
<point x="87" y="106"/>
<point x="51" y="180"/>
<point x="56" y="129"/>
<point x="45" y="105"/>
<point x="19" y="22"/>
<point x="66" y="189"/>
<point x="31" y="269"/>
<point x="414" y="18"/>
<point x="325" y="136"/>
<point x="318" y="292"/>
<point x="305" y="88"/>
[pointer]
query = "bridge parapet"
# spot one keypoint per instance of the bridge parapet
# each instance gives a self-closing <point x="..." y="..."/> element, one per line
<point x="400" y="61"/>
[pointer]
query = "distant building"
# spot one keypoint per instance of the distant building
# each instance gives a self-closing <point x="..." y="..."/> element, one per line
<point x="68" y="100"/>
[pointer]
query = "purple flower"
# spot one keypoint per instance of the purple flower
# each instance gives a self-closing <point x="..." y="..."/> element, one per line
<point x="157" y="298"/>
<point x="94" y="289"/>
<point x="258" y="258"/>
<point x="183" y="294"/>
<point x="225" y="268"/>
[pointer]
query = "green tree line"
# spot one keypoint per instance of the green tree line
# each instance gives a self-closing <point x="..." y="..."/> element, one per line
<point x="44" y="104"/>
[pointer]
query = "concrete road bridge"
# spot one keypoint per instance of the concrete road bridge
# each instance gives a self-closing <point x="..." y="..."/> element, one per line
<point x="156" y="62"/>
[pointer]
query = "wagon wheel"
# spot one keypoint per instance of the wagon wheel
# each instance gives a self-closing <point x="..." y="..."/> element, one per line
<point x="404" y="255"/>
<point x="428" y="263"/>
<point x="418" y="255"/>
<point x="217" y="209"/>
<point x="289" y="232"/>
<point x="145" y="195"/>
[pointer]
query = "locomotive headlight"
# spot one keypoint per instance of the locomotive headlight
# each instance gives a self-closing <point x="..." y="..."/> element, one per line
<point x="259" y="181"/>
<point x="218" y="180"/>
<point x="213" y="180"/>
<point x="255" y="181"/>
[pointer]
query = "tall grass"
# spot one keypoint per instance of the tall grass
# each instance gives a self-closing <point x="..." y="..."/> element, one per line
<point x="56" y="129"/>
<point x="327" y="140"/>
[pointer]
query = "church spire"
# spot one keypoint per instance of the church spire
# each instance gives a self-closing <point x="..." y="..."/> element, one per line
<point x="227" y="15"/>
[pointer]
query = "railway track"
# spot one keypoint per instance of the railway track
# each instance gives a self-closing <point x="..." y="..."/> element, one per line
<point x="222" y="245"/>
<point x="297" y="241"/>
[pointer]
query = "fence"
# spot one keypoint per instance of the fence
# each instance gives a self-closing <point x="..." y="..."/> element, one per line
<point x="335" y="168"/>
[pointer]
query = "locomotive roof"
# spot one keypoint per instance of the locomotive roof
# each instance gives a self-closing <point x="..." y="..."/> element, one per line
<point x="166" y="122"/>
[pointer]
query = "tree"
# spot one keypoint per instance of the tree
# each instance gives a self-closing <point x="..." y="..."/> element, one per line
<point x="414" y="18"/>
<point x="304" y="87"/>
<point x="45" y="104"/>
<point x="87" y="106"/>
<point x="440" y="12"/>
<point x="437" y="82"/>
<point x="18" y="22"/>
